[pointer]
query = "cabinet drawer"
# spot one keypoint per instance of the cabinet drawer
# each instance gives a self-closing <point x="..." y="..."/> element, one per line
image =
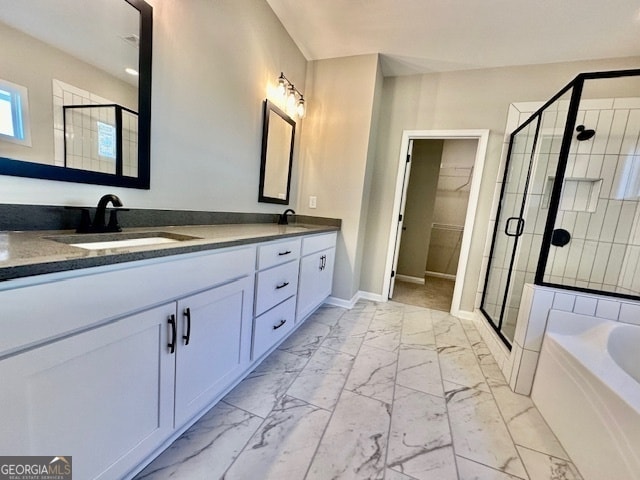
<point x="316" y="243"/>
<point x="272" y="326"/>
<point x="278" y="252"/>
<point x="275" y="285"/>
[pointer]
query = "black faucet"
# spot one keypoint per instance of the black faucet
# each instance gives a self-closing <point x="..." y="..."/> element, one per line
<point x="99" y="224"/>
<point x="283" y="217"/>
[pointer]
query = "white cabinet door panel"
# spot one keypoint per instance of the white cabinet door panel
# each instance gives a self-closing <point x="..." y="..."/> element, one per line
<point x="98" y="396"/>
<point x="316" y="277"/>
<point x="218" y="346"/>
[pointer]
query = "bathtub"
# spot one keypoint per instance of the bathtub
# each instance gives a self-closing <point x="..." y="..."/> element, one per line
<point x="587" y="387"/>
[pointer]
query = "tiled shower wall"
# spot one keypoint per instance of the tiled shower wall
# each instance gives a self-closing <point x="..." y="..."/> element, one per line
<point x="82" y="151"/>
<point x="600" y="201"/>
<point x="599" y="206"/>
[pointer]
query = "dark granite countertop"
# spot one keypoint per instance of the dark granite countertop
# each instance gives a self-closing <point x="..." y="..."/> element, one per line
<point x="28" y="253"/>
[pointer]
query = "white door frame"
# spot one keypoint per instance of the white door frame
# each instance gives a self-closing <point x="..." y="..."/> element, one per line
<point x="482" y="136"/>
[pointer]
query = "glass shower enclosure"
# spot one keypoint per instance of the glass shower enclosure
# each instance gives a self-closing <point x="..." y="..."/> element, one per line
<point x="568" y="213"/>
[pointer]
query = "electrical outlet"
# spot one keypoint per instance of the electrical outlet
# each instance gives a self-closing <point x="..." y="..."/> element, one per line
<point x="312" y="201"/>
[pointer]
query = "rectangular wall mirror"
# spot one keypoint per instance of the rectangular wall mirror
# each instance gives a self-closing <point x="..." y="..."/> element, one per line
<point x="277" y="155"/>
<point x="75" y="91"/>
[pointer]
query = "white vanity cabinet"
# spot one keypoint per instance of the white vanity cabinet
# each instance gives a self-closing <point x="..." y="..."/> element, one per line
<point x="110" y="364"/>
<point x="316" y="272"/>
<point x="109" y="385"/>
<point x="104" y="397"/>
<point x="276" y="288"/>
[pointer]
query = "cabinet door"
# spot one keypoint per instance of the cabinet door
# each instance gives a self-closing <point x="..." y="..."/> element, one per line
<point x="315" y="281"/>
<point x="217" y="327"/>
<point x="104" y="397"/>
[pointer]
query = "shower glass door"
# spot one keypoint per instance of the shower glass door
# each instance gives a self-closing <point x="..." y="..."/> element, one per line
<point x="530" y="170"/>
<point x="509" y="224"/>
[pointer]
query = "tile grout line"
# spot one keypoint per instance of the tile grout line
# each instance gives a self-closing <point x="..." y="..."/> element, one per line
<point x="444" y="395"/>
<point x="333" y="409"/>
<point x="393" y="398"/>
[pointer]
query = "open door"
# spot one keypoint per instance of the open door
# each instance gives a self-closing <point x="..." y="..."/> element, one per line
<point x="403" y="202"/>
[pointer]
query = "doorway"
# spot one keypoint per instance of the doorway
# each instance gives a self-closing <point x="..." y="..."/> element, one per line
<point x="446" y="235"/>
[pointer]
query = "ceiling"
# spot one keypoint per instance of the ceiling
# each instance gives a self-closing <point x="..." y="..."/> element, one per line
<point x="420" y="36"/>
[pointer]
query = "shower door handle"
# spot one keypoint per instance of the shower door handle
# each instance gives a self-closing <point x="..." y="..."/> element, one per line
<point x="519" y="227"/>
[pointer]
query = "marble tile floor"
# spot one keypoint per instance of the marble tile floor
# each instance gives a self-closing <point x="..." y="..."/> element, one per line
<point x="381" y="391"/>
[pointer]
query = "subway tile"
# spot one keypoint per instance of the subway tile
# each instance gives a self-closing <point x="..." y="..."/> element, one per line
<point x="630" y="313"/>
<point x="600" y="263"/>
<point x="608" y="309"/>
<point x="516" y="360"/>
<point x="626" y="102"/>
<point x="527" y="371"/>
<point x="630" y="138"/>
<point x="627" y="216"/>
<point x="617" y="131"/>
<point x="602" y="131"/>
<point x="543" y="301"/>
<point x="614" y="266"/>
<point x="523" y="314"/>
<point x="585" y="305"/>
<point x="564" y="302"/>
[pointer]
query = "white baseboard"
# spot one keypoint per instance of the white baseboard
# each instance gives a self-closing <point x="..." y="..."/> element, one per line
<point x="464" y="314"/>
<point x="339" y="302"/>
<point x="360" y="295"/>
<point x="440" y="275"/>
<point x="408" y="279"/>
<point x="374" y="297"/>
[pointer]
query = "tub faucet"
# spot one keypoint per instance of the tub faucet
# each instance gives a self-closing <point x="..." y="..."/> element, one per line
<point x="99" y="224"/>
<point x="283" y="220"/>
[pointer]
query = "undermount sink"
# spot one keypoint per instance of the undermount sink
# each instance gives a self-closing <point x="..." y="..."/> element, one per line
<point x="106" y="241"/>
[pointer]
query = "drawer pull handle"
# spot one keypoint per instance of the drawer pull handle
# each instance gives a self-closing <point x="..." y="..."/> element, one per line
<point x="323" y="262"/>
<point x="282" y="285"/>
<point x="187" y="315"/>
<point x="282" y="322"/>
<point x="284" y="253"/>
<point x="174" y="333"/>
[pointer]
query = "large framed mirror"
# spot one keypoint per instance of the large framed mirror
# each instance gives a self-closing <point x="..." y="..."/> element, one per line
<point x="75" y="91"/>
<point x="278" y="135"/>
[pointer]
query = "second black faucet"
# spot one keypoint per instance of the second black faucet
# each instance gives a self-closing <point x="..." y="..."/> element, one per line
<point x="283" y="220"/>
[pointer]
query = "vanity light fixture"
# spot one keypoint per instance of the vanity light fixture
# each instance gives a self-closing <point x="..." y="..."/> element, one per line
<point x="294" y="97"/>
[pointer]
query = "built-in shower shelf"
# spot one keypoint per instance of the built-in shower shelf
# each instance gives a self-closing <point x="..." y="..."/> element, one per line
<point x="578" y="194"/>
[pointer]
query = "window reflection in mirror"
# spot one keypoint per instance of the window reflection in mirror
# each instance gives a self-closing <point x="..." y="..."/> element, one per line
<point x="277" y="155"/>
<point x="69" y="55"/>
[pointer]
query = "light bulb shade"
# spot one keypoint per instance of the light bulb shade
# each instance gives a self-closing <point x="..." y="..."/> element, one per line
<point x="291" y="101"/>
<point x="282" y="87"/>
<point x="300" y="110"/>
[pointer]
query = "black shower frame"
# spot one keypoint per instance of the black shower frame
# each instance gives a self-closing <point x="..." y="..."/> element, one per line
<point x="576" y="87"/>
